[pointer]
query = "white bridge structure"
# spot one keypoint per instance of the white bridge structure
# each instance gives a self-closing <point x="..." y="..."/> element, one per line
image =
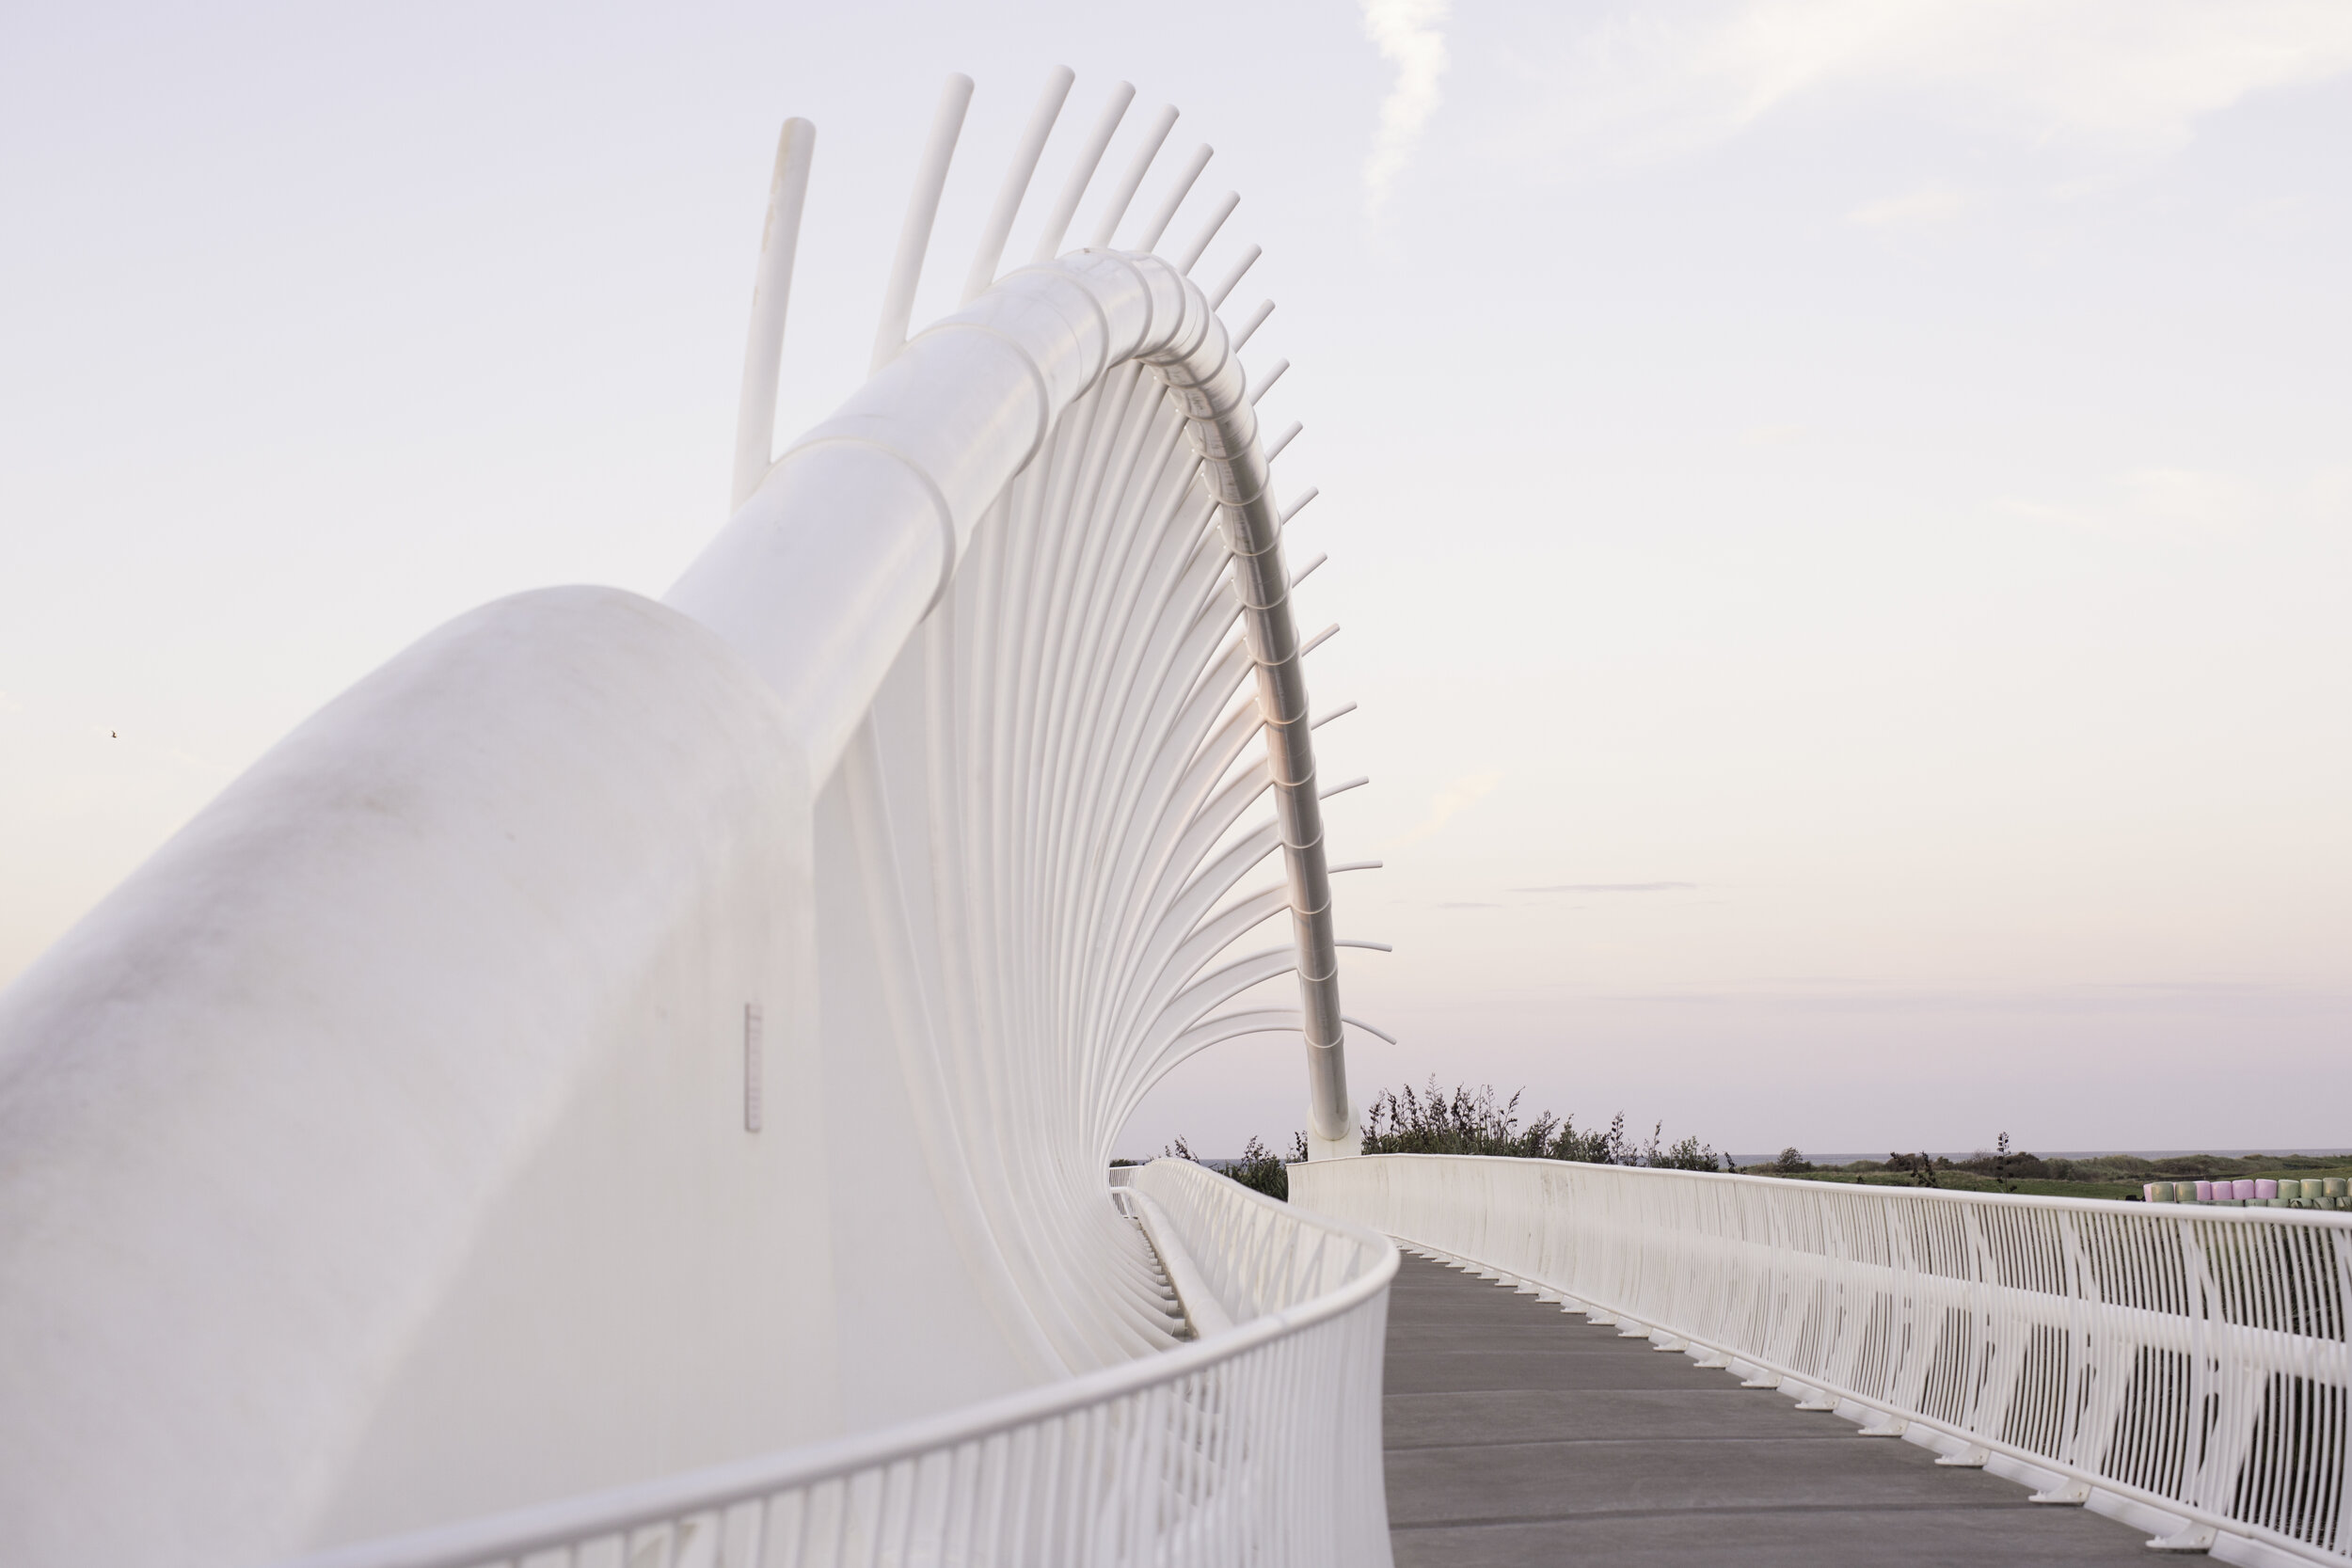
<point x="2184" y="1371"/>
<point x="629" y="1081"/>
<point x="618" y="1038"/>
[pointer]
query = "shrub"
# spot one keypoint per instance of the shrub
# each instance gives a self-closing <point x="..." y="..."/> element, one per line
<point x="1920" y="1168"/>
<point x="1258" y="1168"/>
<point x="1261" y="1170"/>
<point x="1433" y="1121"/>
<point x="1406" y="1121"/>
<point x="1690" y="1154"/>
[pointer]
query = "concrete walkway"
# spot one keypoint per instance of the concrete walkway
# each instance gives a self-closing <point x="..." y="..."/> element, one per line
<point x="1518" y="1434"/>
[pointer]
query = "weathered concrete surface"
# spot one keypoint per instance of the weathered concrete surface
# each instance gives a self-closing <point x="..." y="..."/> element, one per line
<point x="1517" y="1433"/>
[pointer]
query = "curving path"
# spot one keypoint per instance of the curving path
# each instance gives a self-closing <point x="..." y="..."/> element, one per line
<point x="1517" y="1433"/>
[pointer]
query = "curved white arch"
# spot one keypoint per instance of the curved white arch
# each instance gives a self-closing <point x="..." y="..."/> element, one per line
<point x="479" y="1102"/>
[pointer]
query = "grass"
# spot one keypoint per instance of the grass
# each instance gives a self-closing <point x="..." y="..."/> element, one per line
<point x="1434" y="1122"/>
<point x="2096" y="1179"/>
<point x="1258" y="1168"/>
<point x="1959" y="1181"/>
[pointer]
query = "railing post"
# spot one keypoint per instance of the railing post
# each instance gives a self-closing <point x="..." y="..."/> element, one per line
<point x="2188" y="1372"/>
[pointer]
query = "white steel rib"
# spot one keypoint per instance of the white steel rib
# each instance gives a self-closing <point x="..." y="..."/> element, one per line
<point x="1102" y="381"/>
<point x="617" y="1036"/>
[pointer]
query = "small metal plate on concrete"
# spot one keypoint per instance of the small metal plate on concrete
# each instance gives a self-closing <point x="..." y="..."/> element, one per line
<point x="753" y="1088"/>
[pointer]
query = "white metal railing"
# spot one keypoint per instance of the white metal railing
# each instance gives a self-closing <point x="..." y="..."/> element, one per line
<point x="2184" y="1369"/>
<point x="989" y="704"/>
<point x="1257" y="1445"/>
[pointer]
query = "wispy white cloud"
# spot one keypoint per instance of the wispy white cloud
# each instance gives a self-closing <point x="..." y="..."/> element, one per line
<point x="1928" y="207"/>
<point x="1407" y="34"/>
<point x="2189" y="501"/>
<point x="1453" y="798"/>
<point x="2157" y="506"/>
<point x="2130" y="74"/>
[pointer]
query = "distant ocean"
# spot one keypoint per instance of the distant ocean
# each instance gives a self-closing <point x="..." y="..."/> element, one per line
<point x="2236" y="1152"/>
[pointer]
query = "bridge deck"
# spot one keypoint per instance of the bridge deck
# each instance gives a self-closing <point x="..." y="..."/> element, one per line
<point x="1518" y="1434"/>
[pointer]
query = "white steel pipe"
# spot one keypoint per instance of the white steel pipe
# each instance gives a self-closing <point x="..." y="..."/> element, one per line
<point x="1233" y="278"/>
<point x="772" y="297"/>
<point x="1189" y="257"/>
<point x="1265" y="1434"/>
<point x="872" y="508"/>
<point x="914" y="233"/>
<point x="1123" y="195"/>
<point x="1018" y="174"/>
<point x="1082" y="173"/>
<point x="947" y="715"/>
<point x="1156" y="226"/>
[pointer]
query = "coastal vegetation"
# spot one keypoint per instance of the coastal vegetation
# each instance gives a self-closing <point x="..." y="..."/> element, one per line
<point x="2007" y="1170"/>
<point x="1432" y="1120"/>
<point x="1436" y="1121"/>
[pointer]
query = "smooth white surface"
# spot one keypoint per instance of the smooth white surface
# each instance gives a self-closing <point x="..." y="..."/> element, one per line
<point x="957" y="799"/>
<point x="2189" y="1363"/>
<point x="771" y="299"/>
<point x="1260" y="1444"/>
<point x="1204" y="1310"/>
<point x="858" y="532"/>
<point x="1904" y="446"/>
<point x="350" y="1147"/>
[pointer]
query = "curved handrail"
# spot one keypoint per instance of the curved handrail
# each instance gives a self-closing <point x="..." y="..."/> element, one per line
<point x="506" y="964"/>
<point x="2186" y="1369"/>
<point x="1349" y="1313"/>
<point x="873" y="508"/>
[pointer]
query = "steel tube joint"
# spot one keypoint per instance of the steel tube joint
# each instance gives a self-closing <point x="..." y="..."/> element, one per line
<point x="875" y="506"/>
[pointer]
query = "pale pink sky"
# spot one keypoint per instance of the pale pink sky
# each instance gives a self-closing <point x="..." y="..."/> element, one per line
<point x="1841" y="515"/>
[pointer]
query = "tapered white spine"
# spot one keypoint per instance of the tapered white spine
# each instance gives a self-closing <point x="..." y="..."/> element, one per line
<point x="1017" y="177"/>
<point x="1140" y="165"/>
<point x="771" y="297"/>
<point x="1156" y="228"/>
<point x="914" y="234"/>
<point x="1082" y="173"/>
<point x="937" y="798"/>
